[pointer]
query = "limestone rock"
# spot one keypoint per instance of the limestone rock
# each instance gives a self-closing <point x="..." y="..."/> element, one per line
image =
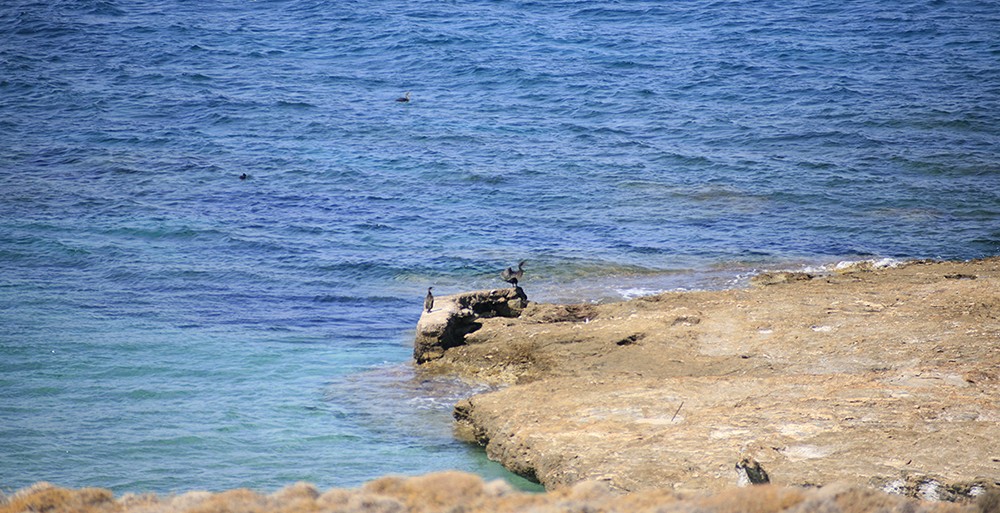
<point x="453" y="317"/>
<point x="886" y="378"/>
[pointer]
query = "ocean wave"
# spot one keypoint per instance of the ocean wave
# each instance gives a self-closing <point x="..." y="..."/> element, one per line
<point x="165" y="231"/>
<point x="294" y="104"/>
<point x="369" y="300"/>
<point x="879" y="263"/>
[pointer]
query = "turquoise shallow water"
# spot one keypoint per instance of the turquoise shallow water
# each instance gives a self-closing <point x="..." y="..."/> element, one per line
<point x="168" y="326"/>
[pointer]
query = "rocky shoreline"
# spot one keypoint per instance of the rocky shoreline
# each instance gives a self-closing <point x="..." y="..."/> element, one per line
<point x="859" y="389"/>
<point x="883" y="378"/>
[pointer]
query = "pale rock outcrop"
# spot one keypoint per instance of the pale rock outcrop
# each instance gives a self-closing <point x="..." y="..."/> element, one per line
<point x="884" y="377"/>
<point x="453" y="317"/>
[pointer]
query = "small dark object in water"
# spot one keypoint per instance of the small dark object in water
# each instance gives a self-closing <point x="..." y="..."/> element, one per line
<point x="243" y="176"/>
<point x="404" y="98"/>
<point x="429" y="300"/>
<point x="511" y="276"/>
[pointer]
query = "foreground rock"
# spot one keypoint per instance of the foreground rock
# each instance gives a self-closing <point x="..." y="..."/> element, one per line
<point x="453" y="492"/>
<point x="882" y="378"/>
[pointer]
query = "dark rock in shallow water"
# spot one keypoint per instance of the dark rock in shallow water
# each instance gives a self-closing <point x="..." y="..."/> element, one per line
<point x="457" y="315"/>
<point x="776" y="278"/>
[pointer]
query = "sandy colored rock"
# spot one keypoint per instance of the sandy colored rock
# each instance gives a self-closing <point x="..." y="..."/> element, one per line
<point x="879" y="377"/>
<point x="453" y="492"/>
<point x="456" y="316"/>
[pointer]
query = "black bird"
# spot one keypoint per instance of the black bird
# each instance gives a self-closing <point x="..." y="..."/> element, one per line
<point x="511" y="276"/>
<point x="404" y="98"/>
<point x="243" y="176"/>
<point x="429" y="300"/>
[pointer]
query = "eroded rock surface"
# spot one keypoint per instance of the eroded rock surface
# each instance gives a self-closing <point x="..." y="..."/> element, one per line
<point x="884" y="378"/>
<point x="455" y="317"/>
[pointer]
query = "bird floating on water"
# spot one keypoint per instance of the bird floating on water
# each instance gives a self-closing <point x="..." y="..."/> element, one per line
<point x="429" y="300"/>
<point x="404" y="98"/>
<point x="511" y="276"/>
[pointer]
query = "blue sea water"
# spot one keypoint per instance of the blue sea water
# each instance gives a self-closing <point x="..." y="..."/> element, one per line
<point x="167" y="326"/>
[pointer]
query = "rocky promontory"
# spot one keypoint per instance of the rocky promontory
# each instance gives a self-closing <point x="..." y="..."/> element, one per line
<point x="879" y="377"/>
<point x="453" y="317"/>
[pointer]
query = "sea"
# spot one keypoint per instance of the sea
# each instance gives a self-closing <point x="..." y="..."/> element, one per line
<point x="218" y="224"/>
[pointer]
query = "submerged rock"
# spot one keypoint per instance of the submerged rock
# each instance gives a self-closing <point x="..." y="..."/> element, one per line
<point x="777" y="278"/>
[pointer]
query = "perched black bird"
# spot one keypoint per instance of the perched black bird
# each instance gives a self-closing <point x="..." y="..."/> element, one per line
<point x="404" y="98"/>
<point x="429" y="300"/>
<point x="511" y="276"/>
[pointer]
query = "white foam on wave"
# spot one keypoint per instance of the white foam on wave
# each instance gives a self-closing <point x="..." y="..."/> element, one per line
<point x="843" y="265"/>
<point x="634" y="292"/>
<point x="881" y="263"/>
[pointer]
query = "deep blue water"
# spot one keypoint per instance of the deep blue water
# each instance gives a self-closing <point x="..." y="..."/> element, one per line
<point x="167" y="326"/>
